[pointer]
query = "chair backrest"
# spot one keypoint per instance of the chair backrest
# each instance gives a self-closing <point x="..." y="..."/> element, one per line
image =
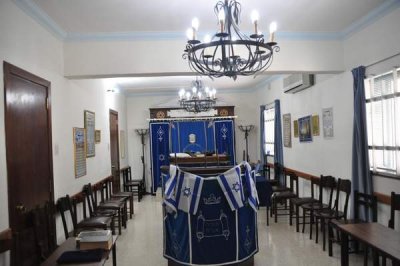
<point x="343" y="187"/>
<point x="314" y="183"/>
<point x="369" y="203"/>
<point x="278" y="169"/>
<point x="90" y="199"/>
<point x="327" y="182"/>
<point x="64" y="206"/>
<point x="394" y="206"/>
<point x="293" y="181"/>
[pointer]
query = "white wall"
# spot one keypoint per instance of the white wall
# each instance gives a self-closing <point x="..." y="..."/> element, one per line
<point x="138" y="113"/>
<point x="333" y="156"/>
<point x="26" y="44"/>
<point x="107" y="58"/>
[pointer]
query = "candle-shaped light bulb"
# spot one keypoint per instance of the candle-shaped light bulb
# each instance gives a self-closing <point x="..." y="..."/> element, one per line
<point x="195" y="24"/>
<point x="189" y="33"/>
<point x="214" y="92"/>
<point x="195" y="27"/>
<point x="272" y="30"/>
<point x="181" y="93"/>
<point x="194" y="90"/>
<point x="187" y="95"/>
<point x="254" y="19"/>
<point x="199" y="94"/>
<point x="221" y="19"/>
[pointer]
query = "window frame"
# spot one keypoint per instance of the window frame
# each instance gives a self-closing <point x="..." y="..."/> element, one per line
<point x="395" y="128"/>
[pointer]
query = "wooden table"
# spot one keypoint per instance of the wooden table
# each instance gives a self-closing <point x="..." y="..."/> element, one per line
<point x="70" y="245"/>
<point x="382" y="240"/>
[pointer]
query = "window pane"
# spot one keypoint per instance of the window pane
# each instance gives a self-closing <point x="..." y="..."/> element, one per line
<point x="388" y="122"/>
<point x="367" y="88"/>
<point x="369" y="123"/>
<point x="377" y="131"/>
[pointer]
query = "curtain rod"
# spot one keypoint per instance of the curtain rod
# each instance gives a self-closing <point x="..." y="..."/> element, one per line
<point x="191" y="118"/>
<point x="383" y="60"/>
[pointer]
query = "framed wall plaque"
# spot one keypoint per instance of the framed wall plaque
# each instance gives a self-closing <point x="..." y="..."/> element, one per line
<point x="122" y="143"/>
<point x="327" y="122"/>
<point x="305" y="129"/>
<point x="90" y="131"/>
<point x="295" y="128"/>
<point x="287" y="136"/>
<point x="315" y="125"/>
<point x="97" y="136"/>
<point x="79" y="151"/>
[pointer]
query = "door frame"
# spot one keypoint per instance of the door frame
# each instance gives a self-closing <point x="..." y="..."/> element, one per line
<point x="9" y="70"/>
<point x="113" y="112"/>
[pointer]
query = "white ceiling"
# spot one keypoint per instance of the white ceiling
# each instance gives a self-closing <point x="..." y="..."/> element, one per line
<point x="105" y="16"/>
<point x="172" y="17"/>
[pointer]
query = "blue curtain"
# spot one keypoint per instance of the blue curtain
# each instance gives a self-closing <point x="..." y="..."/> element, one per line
<point x="159" y="147"/>
<point x="361" y="175"/>
<point x="262" y="140"/>
<point x="278" y="148"/>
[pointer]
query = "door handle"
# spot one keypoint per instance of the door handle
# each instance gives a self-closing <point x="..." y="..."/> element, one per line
<point x="20" y="208"/>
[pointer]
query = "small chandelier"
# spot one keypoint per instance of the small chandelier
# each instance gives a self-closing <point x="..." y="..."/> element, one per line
<point x="230" y="52"/>
<point x="199" y="100"/>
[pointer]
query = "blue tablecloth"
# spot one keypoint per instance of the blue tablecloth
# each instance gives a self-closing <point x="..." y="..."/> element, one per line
<point x="264" y="190"/>
<point x="215" y="235"/>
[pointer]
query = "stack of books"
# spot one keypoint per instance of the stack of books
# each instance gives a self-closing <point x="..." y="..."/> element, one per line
<point x="101" y="239"/>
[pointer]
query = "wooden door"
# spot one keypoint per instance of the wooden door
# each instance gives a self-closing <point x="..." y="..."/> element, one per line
<point x="29" y="158"/>
<point x="114" y="150"/>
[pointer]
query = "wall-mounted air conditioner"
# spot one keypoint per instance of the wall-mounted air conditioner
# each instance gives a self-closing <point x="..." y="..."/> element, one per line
<point x="297" y="82"/>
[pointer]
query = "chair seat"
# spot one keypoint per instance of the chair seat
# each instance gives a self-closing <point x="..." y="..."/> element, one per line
<point x="95" y="222"/>
<point x="280" y="189"/>
<point x="285" y="195"/>
<point x="122" y="194"/>
<point x="111" y="205"/>
<point x="301" y="201"/>
<point x="105" y="212"/>
<point x="314" y="206"/>
<point x="329" y="214"/>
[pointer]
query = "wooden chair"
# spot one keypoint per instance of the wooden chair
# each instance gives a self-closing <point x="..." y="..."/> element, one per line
<point x="126" y="196"/>
<point x="43" y="226"/>
<point x="366" y="202"/>
<point x="336" y="212"/>
<point x="133" y="185"/>
<point x="108" y="208"/>
<point x="297" y="202"/>
<point x="285" y="195"/>
<point x="65" y="205"/>
<point x="328" y="183"/>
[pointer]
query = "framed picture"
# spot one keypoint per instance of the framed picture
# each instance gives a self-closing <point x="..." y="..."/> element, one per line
<point x="97" y="136"/>
<point x="287" y="136"/>
<point x="79" y="151"/>
<point x="89" y="118"/>
<point x="122" y="143"/>
<point x="315" y="125"/>
<point x="305" y="133"/>
<point x="327" y="122"/>
<point x="295" y="128"/>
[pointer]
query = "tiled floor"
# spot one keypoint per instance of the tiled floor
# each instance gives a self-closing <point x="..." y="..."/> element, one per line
<point x="141" y="244"/>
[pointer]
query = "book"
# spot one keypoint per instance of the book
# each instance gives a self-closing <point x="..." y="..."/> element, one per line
<point x="95" y="239"/>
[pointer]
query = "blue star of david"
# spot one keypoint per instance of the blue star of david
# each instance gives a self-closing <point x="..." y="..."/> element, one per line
<point x="186" y="191"/>
<point x="161" y="157"/>
<point x="160" y="133"/>
<point x="236" y="186"/>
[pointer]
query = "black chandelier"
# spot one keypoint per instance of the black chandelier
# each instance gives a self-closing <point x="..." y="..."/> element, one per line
<point x="199" y="100"/>
<point x="230" y="52"/>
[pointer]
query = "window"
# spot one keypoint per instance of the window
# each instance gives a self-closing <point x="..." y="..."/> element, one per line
<point x="382" y="95"/>
<point x="269" y="130"/>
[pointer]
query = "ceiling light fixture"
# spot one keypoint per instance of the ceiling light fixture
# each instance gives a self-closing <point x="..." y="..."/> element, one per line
<point x="229" y="52"/>
<point x="201" y="99"/>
